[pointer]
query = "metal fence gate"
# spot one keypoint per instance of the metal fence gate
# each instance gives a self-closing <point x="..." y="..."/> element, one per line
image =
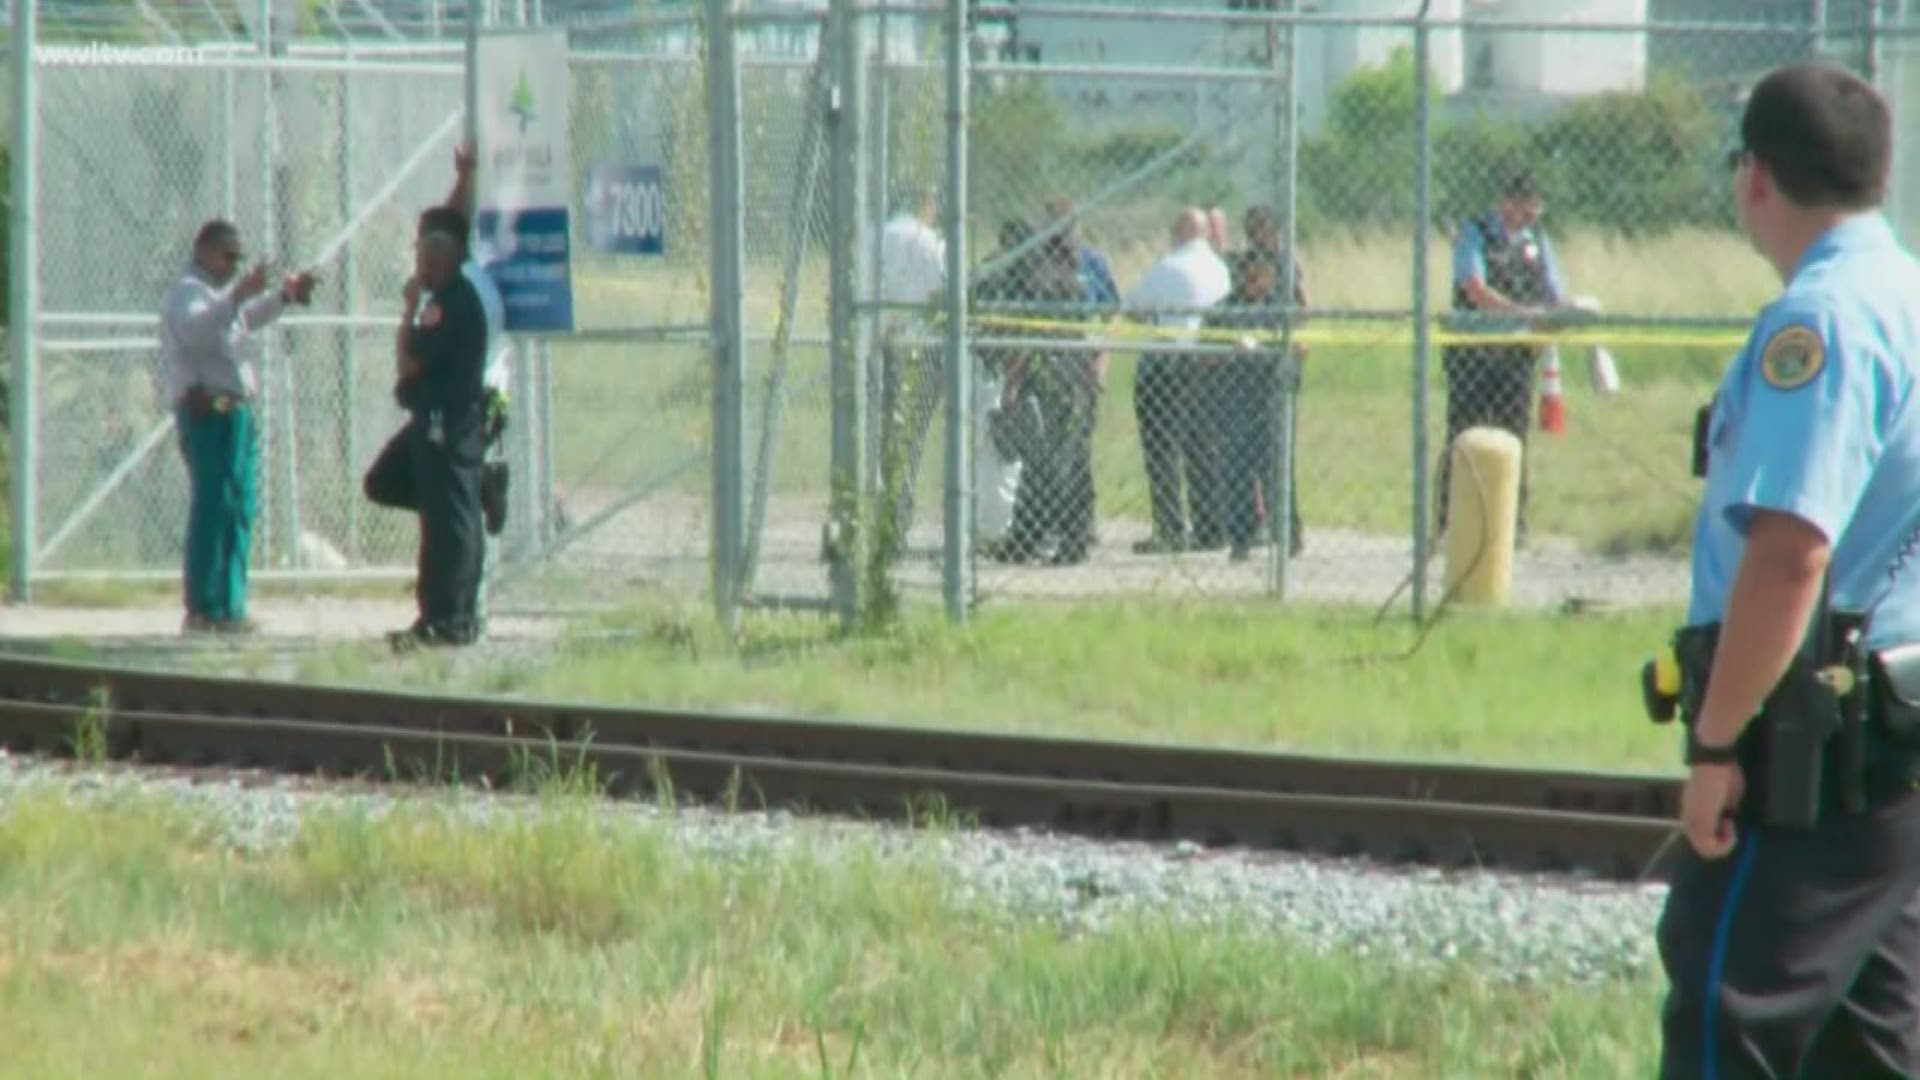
<point x="769" y="410"/>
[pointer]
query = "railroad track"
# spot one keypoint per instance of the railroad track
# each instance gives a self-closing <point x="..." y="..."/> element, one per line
<point x="1612" y="826"/>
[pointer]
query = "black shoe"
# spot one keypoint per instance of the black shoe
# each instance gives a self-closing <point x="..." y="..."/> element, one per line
<point x="1158" y="545"/>
<point x="429" y="636"/>
<point x="1070" y="554"/>
<point x="1021" y="551"/>
<point x="493" y="496"/>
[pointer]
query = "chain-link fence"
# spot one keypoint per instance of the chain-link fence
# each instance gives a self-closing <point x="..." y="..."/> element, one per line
<point x="306" y="154"/>
<point x="1197" y="363"/>
<point x="1559" y="175"/>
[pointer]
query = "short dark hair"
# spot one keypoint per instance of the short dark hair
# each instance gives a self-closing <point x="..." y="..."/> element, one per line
<point x="444" y="219"/>
<point x="1824" y="134"/>
<point x="215" y="231"/>
<point x="1520" y="186"/>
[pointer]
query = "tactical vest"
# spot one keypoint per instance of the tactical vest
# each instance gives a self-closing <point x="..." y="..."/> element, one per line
<point x="1516" y="266"/>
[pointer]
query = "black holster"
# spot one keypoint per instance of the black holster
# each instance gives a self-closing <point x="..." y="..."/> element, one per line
<point x="1805" y="752"/>
<point x="1702" y="436"/>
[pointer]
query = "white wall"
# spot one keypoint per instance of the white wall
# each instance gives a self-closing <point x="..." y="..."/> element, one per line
<point x="1561" y="64"/>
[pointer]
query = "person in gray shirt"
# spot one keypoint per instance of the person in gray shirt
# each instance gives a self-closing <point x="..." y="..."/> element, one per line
<point x="209" y="323"/>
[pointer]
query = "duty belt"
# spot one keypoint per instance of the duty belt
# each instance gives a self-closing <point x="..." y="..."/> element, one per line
<point x="1840" y="732"/>
<point x="201" y="401"/>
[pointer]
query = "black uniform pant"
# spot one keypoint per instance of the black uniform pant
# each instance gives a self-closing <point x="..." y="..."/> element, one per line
<point x="441" y="481"/>
<point x="1487" y="386"/>
<point x="1798" y="954"/>
<point x="1243" y="398"/>
<point x="1178" y="440"/>
<point x="1055" y="498"/>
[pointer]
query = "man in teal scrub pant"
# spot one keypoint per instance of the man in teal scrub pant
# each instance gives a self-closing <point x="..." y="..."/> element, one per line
<point x="207" y="326"/>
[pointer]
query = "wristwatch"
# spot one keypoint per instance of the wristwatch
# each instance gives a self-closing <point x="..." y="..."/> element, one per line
<point x="1700" y="754"/>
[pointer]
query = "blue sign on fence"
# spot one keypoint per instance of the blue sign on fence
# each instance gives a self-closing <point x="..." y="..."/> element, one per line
<point x="627" y="209"/>
<point x="526" y="253"/>
<point x="526" y="177"/>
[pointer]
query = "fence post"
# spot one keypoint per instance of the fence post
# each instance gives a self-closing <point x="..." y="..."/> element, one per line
<point x="727" y="315"/>
<point x="1277" y="479"/>
<point x="849" y="470"/>
<point x="277" y="374"/>
<point x="875" y="95"/>
<point x="1872" y="73"/>
<point x="957" y="575"/>
<point x="1422" y="222"/>
<point x="345" y="338"/>
<point x="23" y="300"/>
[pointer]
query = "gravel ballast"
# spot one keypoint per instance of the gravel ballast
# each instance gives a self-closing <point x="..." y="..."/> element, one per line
<point x="1544" y="927"/>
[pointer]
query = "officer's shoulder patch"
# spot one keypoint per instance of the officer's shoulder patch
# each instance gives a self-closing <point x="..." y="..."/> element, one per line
<point x="1792" y="357"/>
<point x="431" y="316"/>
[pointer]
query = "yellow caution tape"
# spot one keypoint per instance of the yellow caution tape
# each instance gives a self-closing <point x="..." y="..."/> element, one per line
<point x="1379" y="333"/>
<point x="1327" y="332"/>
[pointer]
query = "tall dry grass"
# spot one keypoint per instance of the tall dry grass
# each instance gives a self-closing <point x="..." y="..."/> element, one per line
<point x="1693" y="272"/>
<point x="1688" y="273"/>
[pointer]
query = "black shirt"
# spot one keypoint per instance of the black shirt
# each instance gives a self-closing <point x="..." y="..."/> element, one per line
<point x="450" y="340"/>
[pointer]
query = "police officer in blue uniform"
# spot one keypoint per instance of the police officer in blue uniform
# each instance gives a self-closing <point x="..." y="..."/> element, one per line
<point x="1502" y="265"/>
<point x="1791" y="934"/>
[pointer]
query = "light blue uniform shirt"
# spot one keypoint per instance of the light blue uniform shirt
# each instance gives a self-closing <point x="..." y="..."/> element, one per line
<point x="1470" y="253"/>
<point x="1830" y="435"/>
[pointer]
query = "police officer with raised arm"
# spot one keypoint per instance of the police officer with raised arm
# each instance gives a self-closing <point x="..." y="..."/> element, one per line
<point x="208" y="322"/>
<point x="1791" y="934"/>
<point x="442" y="355"/>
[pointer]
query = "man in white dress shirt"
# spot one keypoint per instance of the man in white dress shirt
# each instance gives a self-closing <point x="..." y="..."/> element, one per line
<point x="209" y="322"/>
<point x="1174" y="292"/>
<point x="913" y="270"/>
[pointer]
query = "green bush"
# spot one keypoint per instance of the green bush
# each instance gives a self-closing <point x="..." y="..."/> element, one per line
<point x="6" y="261"/>
<point x="6" y="235"/>
<point x="1360" y="172"/>
<point x="1024" y="148"/>
<point x="1635" y="162"/>
<point x="1640" y="163"/>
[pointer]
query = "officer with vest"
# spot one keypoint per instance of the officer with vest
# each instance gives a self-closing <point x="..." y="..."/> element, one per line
<point x="442" y="355"/>
<point x="1502" y="264"/>
<point x="1791" y="933"/>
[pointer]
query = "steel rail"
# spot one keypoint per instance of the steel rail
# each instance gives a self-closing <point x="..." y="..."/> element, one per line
<point x="1612" y="826"/>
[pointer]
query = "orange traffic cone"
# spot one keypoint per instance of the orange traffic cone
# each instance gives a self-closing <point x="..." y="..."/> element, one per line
<point x="1553" y="403"/>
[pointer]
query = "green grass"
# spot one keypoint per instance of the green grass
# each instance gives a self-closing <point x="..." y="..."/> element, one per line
<point x="1616" y="482"/>
<point x="548" y="947"/>
<point x="1552" y="690"/>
